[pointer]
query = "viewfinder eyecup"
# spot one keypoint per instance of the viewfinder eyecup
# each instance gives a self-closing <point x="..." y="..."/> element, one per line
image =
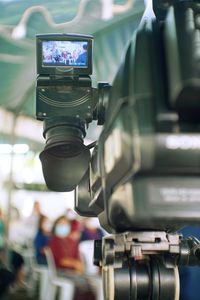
<point x="65" y="158"/>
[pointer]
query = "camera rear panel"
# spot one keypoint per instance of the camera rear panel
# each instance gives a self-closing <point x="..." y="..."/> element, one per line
<point x="158" y="203"/>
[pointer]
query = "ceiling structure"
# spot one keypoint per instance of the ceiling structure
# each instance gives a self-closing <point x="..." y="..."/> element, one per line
<point x="111" y="22"/>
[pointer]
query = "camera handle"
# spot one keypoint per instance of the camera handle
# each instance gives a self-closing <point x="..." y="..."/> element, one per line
<point x="143" y="265"/>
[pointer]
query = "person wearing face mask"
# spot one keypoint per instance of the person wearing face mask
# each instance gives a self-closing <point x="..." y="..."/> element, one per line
<point x="64" y="247"/>
<point x="42" y="239"/>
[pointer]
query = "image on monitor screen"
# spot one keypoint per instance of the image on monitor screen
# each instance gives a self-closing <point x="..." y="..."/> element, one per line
<point x="65" y="53"/>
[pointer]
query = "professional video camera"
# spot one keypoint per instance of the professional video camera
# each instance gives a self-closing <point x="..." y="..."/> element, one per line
<point x="143" y="179"/>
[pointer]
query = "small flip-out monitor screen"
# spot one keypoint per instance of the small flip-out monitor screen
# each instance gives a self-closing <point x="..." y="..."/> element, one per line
<point x="65" y="53"/>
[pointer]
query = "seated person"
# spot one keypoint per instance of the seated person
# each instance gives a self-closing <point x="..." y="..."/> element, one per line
<point x="42" y="239"/>
<point x="82" y="59"/>
<point x="12" y="277"/>
<point x="91" y="230"/>
<point x="65" y="248"/>
<point x="7" y="278"/>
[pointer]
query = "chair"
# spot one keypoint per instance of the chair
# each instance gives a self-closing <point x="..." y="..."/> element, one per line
<point x="86" y="250"/>
<point x="42" y="272"/>
<point x="34" y="273"/>
<point x="66" y="286"/>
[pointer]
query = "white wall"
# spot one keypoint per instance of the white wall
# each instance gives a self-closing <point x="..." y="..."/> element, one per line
<point x="52" y="204"/>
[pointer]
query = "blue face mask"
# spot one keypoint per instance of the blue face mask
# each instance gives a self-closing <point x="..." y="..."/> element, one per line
<point x="62" y="230"/>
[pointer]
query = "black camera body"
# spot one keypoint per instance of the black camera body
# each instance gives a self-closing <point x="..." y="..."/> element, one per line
<point x="148" y="153"/>
<point x="143" y="178"/>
